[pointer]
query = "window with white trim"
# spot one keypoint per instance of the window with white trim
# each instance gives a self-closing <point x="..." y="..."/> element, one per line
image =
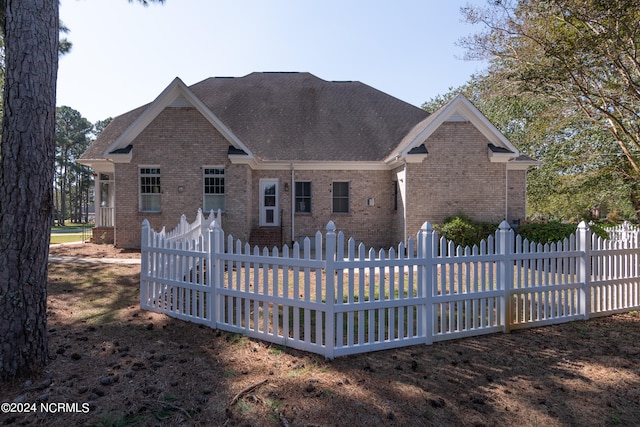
<point x="340" y="197"/>
<point x="214" y="189"/>
<point x="303" y="197"/>
<point x="150" y="189"/>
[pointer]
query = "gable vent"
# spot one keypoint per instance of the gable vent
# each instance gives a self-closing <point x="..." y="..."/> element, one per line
<point x="180" y="102"/>
<point x="456" y="117"/>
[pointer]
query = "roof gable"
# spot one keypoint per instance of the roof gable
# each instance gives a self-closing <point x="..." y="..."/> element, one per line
<point x="176" y="94"/>
<point x="457" y="110"/>
<point x="279" y="118"/>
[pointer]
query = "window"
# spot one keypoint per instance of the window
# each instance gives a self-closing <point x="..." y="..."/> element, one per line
<point x="303" y="197"/>
<point x="341" y="197"/>
<point x="150" y="189"/>
<point x="214" y="189"/>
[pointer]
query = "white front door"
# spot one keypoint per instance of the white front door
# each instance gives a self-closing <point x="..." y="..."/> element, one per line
<point x="269" y="210"/>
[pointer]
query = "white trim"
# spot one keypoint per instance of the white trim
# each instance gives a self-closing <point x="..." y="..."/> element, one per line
<point x="98" y="165"/>
<point x="139" y="185"/>
<point x="175" y="90"/>
<point x="501" y="157"/>
<point x="293" y="203"/>
<point x="120" y="158"/>
<point x="204" y="177"/>
<point x="281" y="165"/>
<point x="276" y="209"/>
<point x="415" y="158"/>
<point x="457" y="109"/>
<point x="521" y="164"/>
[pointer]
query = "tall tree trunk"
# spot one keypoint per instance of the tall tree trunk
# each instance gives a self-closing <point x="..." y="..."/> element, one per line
<point x="27" y="155"/>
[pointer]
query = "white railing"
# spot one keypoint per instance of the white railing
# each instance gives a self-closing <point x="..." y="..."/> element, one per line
<point x="625" y="231"/>
<point x="106" y="217"/>
<point x="336" y="298"/>
<point x="186" y="231"/>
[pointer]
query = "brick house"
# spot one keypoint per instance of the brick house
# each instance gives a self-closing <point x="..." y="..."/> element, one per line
<point x="281" y="154"/>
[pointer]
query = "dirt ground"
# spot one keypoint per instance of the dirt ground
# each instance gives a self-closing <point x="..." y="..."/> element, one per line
<point x="115" y="365"/>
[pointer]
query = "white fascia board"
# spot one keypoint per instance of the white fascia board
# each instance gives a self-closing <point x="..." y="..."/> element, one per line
<point x="120" y="158"/>
<point x="521" y="164"/>
<point x="310" y="165"/>
<point x="241" y="159"/>
<point x="98" y="165"/>
<point x="500" y="157"/>
<point x="464" y="108"/>
<point x="168" y="95"/>
<point x="415" y="158"/>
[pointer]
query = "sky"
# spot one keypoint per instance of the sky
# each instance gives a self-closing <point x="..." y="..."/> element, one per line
<point x="125" y="54"/>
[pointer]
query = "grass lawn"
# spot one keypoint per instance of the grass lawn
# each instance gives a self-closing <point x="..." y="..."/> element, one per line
<point x="70" y="233"/>
<point x="68" y="237"/>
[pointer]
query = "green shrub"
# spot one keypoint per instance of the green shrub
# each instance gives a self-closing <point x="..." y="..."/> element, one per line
<point x="463" y="231"/>
<point x="554" y="231"/>
<point x="598" y="229"/>
<point x="549" y="232"/>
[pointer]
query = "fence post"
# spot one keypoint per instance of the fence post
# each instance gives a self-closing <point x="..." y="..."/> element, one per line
<point x="426" y="255"/>
<point x="182" y="225"/>
<point x="330" y="297"/>
<point x="584" y="268"/>
<point x="144" y="264"/>
<point x="505" y="274"/>
<point x="216" y="246"/>
<point x="199" y="219"/>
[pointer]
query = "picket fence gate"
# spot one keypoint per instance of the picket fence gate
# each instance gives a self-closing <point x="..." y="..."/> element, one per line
<point x="336" y="298"/>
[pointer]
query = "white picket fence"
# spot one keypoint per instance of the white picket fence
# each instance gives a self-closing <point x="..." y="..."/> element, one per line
<point x="624" y="231"/>
<point x="186" y="231"/>
<point x="337" y="298"/>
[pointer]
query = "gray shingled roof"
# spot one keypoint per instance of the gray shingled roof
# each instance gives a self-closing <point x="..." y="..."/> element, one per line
<point x="297" y="116"/>
<point x="117" y="126"/>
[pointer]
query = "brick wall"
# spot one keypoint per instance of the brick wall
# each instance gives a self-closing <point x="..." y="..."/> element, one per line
<point x="369" y="224"/>
<point x="517" y="182"/>
<point x="180" y="141"/>
<point x="102" y="235"/>
<point x="456" y="177"/>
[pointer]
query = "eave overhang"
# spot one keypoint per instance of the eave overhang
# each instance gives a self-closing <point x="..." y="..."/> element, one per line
<point x="98" y="165"/>
<point x="500" y="154"/>
<point x="176" y="89"/>
<point x="259" y="164"/>
<point x="459" y="109"/>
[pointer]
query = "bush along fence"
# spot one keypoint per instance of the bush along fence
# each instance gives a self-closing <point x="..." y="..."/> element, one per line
<point x="337" y="298"/>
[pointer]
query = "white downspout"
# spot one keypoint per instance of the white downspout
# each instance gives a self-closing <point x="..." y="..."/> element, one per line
<point x="506" y="192"/>
<point x="293" y="205"/>
<point x="405" y="203"/>
<point x="114" y="206"/>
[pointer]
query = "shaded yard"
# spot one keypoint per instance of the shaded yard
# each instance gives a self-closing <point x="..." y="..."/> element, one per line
<point x="141" y="368"/>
